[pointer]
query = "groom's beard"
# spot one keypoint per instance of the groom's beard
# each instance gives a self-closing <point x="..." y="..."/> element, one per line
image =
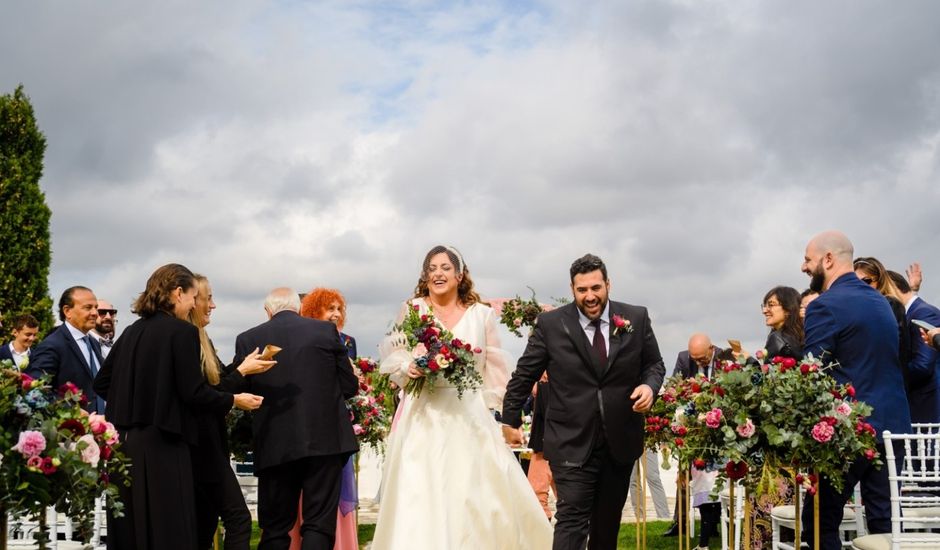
<point x="818" y="279"/>
<point x="603" y="306"/>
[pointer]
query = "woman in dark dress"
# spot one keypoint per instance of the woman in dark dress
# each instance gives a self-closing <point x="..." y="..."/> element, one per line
<point x="218" y="494"/>
<point x="152" y="384"/>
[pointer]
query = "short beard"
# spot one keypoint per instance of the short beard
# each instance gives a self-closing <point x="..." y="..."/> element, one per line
<point x="817" y="280"/>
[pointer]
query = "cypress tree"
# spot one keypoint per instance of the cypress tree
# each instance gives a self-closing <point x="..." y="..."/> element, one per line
<point x="25" y="251"/>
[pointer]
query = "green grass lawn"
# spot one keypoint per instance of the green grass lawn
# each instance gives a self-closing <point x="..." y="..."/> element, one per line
<point x="654" y="538"/>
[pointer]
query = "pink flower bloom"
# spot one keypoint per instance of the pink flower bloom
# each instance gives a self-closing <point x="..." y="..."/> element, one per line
<point x="747" y="429"/>
<point x="34" y="463"/>
<point x="822" y="431"/>
<point x="91" y="453"/>
<point x="713" y="418"/>
<point x="30" y="444"/>
<point x="517" y="321"/>
<point x="98" y="423"/>
<point x="419" y="351"/>
<point x="844" y="409"/>
<point x="358" y="430"/>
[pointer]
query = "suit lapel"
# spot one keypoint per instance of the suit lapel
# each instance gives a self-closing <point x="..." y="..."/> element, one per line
<point x="617" y="341"/>
<point x="572" y="325"/>
<point x="73" y="345"/>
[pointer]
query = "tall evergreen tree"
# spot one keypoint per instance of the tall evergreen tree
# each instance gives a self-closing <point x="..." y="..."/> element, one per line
<point x="25" y="252"/>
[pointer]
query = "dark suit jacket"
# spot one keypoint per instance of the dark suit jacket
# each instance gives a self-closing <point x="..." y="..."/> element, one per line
<point x="350" y="344"/>
<point x="59" y="355"/>
<point x="584" y="396"/>
<point x="922" y="369"/>
<point x="304" y="411"/>
<point x="152" y="377"/>
<point x="852" y="323"/>
<point x="689" y="368"/>
<point x="5" y="352"/>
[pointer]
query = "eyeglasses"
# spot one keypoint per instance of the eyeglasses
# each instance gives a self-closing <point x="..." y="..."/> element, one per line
<point x="104" y="312"/>
<point x="769" y="305"/>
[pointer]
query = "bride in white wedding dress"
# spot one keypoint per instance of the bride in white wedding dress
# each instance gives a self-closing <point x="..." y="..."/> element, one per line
<point x="450" y="481"/>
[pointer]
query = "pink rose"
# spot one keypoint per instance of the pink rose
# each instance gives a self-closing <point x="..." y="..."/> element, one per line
<point x="419" y="351"/>
<point x="358" y="430"/>
<point x="822" y="431"/>
<point x="844" y="409"/>
<point x="91" y="453"/>
<point x="34" y="463"/>
<point x="30" y="444"/>
<point x="713" y="418"/>
<point x="517" y="321"/>
<point x="747" y="429"/>
<point x="97" y="423"/>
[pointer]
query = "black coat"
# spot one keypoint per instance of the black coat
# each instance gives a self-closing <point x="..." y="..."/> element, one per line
<point x="211" y="455"/>
<point x="304" y="411"/>
<point x="584" y="396"/>
<point x="152" y="377"/>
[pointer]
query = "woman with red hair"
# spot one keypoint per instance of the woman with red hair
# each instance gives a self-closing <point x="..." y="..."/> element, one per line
<point x="327" y="304"/>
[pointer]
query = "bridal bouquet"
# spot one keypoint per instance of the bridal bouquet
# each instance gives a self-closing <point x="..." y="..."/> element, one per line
<point x="437" y="354"/>
<point x="368" y="415"/>
<point x="518" y="313"/>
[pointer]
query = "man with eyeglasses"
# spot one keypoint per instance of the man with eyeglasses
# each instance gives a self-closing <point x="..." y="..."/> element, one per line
<point x="701" y="357"/>
<point x="104" y="326"/>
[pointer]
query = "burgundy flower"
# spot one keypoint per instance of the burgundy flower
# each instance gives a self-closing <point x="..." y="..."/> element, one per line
<point x="73" y="426"/>
<point x="736" y="470"/>
<point x="47" y="467"/>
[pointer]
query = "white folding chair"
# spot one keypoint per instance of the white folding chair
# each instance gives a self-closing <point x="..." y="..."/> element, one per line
<point x="852" y="525"/>
<point x="725" y="498"/>
<point x="915" y="494"/>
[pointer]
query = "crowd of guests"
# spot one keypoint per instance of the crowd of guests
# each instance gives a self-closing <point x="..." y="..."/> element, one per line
<point x="172" y="417"/>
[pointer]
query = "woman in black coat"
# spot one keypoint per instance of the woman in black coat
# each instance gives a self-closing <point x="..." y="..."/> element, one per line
<point x="781" y="309"/>
<point x="152" y="385"/>
<point x="218" y="494"/>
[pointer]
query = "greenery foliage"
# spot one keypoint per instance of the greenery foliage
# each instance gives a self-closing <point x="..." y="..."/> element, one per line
<point x="25" y="252"/>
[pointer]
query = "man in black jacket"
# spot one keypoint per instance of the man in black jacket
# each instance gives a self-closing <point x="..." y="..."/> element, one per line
<point x="302" y="432"/>
<point x="605" y="369"/>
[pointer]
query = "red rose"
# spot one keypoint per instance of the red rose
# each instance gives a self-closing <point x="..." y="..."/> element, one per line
<point x="870" y="454"/>
<point x="788" y="362"/>
<point x="736" y="470"/>
<point x="804" y="368"/>
<point x="73" y="426"/>
<point x="699" y="463"/>
<point x="416" y="308"/>
<point x="106" y="452"/>
<point x="850" y="390"/>
<point x="777" y="360"/>
<point x="799" y="479"/>
<point x="679" y="442"/>
<point x="477" y="350"/>
<point x="424" y="318"/>
<point x="836" y="394"/>
<point x="811" y="490"/>
<point x="433" y="366"/>
<point x="718" y="391"/>
<point x="696" y="387"/>
<point x="26" y="380"/>
<point x="47" y="467"/>
<point x="829" y="420"/>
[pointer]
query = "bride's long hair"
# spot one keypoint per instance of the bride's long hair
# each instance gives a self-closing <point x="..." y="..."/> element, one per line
<point x="466" y="295"/>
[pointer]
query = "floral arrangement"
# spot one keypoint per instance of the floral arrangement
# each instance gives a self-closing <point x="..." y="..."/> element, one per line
<point x="518" y="313"/>
<point x="756" y="420"/>
<point x="384" y="390"/>
<point x="620" y="325"/>
<point x="54" y="452"/>
<point x="437" y="354"/>
<point x="370" y="420"/>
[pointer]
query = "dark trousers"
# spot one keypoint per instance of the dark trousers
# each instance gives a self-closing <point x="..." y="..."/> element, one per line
<point x="711" y="515"/>
<point x="280" y="487"/>
<point x="875" y="494"/>
<point x="590" y="501"/>
<point x="222" y="499"/>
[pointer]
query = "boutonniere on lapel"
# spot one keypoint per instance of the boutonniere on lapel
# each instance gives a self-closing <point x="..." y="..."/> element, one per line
<point x="620" y="325"/>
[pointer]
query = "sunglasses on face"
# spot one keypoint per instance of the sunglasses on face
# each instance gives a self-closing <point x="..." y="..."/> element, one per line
<point x="105" y="312"/>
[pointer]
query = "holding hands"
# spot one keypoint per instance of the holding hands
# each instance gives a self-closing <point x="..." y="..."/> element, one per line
<point x="513" y="436"/>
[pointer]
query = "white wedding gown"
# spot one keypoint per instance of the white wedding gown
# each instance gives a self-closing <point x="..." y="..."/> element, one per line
<point x="450" y="482"/>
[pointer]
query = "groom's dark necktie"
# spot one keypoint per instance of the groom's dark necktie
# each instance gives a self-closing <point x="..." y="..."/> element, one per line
<point x="598" y="343"/>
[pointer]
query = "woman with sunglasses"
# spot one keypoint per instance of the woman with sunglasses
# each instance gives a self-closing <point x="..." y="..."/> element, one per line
<point x="874" y="274"/>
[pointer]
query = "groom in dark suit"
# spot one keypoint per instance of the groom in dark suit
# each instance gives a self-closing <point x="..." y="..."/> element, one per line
<point x="302" y="432"/>
<point x="605" y="368"/>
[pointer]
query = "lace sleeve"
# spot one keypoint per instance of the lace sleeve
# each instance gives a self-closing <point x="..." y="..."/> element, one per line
<point x="393" y="352"/>
<point x="496" y="367"/>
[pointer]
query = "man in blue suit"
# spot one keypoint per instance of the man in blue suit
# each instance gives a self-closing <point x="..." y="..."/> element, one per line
<point x="921" y="372"/>
<point x="70" y="354"/>
<point x="852" y="324"/>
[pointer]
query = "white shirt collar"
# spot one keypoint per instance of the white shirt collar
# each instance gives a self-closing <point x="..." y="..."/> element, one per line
<point x="76" y="334"/>
<point x="907" y="305"/>
<point x="585" y="322"/>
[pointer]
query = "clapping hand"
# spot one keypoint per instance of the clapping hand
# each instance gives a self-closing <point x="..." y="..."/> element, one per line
<point x="248" y="401"/>
<point x="644" y="398"/>
<point x="254" y="364"/>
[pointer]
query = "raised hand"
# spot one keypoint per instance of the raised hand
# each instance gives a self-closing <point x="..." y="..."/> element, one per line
<point x="914" y="276"/>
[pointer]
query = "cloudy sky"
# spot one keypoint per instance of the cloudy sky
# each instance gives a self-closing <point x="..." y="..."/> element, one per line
<point x="695" y="146"/>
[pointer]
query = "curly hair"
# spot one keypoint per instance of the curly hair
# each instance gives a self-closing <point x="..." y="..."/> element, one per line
<point x="157" y="296"/>
<point x="466" y="295"/>
<point x="315" y="304"/>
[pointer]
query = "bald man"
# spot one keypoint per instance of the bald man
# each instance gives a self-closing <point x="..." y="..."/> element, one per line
<point x="701" y="357"/>
<point x="852" y="325"/>
<point x="104" y="326"/>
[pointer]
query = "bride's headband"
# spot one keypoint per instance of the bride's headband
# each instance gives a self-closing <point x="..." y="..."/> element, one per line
<point x="460" y="263"/>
